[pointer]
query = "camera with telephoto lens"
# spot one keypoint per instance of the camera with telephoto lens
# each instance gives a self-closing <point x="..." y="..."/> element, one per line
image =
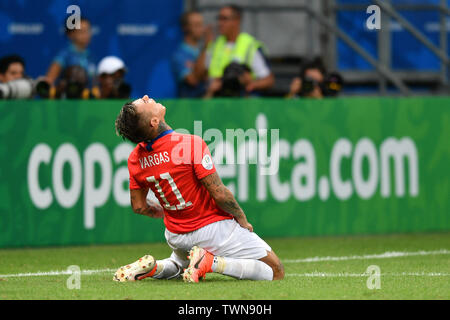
<point x="24" y="88"/>
<point x="330" y="87"/>
<point x="308" y="85"/>
<point x="231" y="84"/>
<point x="333" y="84"/>
<point x="73" y="83"/>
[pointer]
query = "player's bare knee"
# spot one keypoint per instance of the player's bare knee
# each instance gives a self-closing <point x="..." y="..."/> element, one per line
<point x="278" y="271"/>
<point x="275" y="264"/>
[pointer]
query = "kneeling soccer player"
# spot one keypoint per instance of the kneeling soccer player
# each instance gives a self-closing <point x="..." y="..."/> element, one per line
<point x="205" y="226"/>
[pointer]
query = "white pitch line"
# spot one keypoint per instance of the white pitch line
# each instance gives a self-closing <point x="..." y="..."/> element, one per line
<point x="386" y="255"/>
<point x="345" y="275"/>
<point x="54" y="273"/>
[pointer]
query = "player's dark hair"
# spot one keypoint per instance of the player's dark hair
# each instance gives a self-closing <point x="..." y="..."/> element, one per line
<point x="6" y="61"/>
<point x="237" y="10"/>
<point x="129" y="124"/>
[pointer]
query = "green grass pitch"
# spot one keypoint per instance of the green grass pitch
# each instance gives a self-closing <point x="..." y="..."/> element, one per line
<point x="419" y="270"/>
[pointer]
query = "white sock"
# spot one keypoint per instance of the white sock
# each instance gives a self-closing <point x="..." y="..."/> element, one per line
<point x="242" y="268"/>
<point x="166" y="269"/>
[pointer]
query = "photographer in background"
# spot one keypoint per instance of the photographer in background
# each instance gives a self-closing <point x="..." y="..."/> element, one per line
<point x="235" y="46"/>
<point x="11" y="68"/>
<point x="111" y="84"/>
<point x="315" y="82"/>
<point x="75" y="54"/>
<point x="73" y="84"/>
<point x="190" y="82"/>
<point x="14" y="84"/>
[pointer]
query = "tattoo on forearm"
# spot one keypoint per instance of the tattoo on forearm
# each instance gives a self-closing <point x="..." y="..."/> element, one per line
<point x="150" y="208"/>
<point x="149" y="211"/>
<point x="231" y="206"/>
<point x="228" y="202"/>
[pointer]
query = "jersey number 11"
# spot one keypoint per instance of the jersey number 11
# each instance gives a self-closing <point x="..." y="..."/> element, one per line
<point x="182" y="203"/>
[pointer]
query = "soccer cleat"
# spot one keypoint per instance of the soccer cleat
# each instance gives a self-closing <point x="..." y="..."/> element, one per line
<point x="138" y="270"/>
<point x="200" y="264"/>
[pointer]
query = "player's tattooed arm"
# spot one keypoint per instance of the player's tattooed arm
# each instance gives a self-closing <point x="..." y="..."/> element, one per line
<point x="225" y="199"/>
<point x="141" y="205"/>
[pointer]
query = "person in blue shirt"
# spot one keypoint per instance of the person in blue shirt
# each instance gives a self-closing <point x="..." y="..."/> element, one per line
<point x="191" y="82"/>
<point x="75" y="54"/>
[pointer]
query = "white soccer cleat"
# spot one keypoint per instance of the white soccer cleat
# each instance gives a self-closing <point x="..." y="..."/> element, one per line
<point x="138" y="270"/>
<point x="200" y="264"/>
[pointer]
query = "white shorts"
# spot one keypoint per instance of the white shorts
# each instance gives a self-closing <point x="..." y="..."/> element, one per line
<point x="225" y="238"/>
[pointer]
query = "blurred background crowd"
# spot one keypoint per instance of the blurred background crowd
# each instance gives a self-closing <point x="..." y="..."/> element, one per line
<point x="205" y="49"/>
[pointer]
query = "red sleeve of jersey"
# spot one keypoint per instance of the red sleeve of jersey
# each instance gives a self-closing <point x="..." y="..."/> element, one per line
<point x="131" y="163"/>
<point x="133" y="184"/>
<point x="201" y="158"/>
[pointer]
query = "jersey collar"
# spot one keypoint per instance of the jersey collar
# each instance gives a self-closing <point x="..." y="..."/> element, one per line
<point x="150" y="142"/>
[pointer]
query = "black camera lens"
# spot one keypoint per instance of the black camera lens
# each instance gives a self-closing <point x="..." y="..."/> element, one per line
<point x="231" y="86"/>
<point x="43" y="89"/>
<point x="74" y="90"/>
<point x="307" y="86"/>
<point x="333" y="84"/>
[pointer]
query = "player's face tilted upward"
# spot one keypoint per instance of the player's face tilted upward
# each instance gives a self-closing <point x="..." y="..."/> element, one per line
<point x="151" y="112"/>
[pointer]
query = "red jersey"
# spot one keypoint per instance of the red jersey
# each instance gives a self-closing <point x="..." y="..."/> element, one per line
<point x="172" y="165"/>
